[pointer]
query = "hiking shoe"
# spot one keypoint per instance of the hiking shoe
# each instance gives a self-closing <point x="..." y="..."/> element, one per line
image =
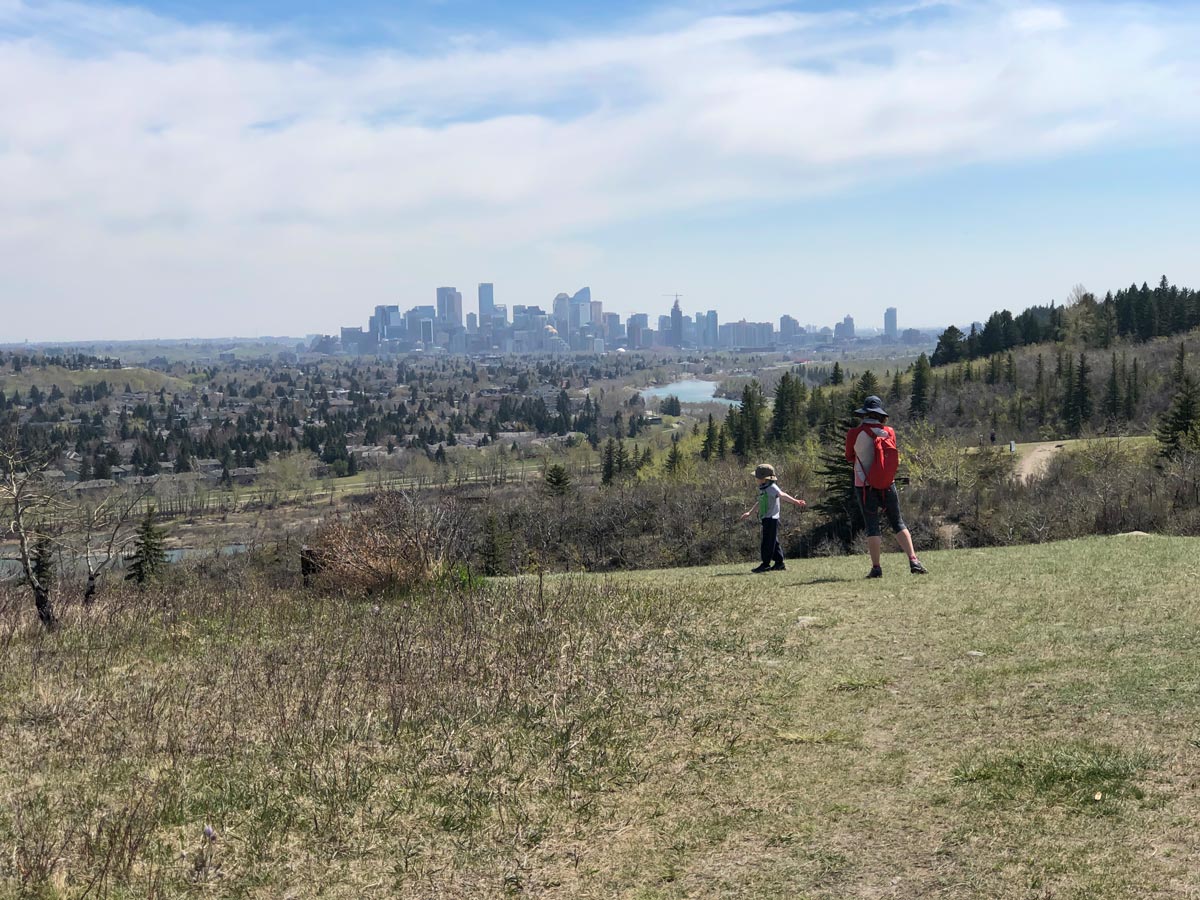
<point x="779" y="567"/>
<point x="876" y="572"/>
<point x="758" y="570"/>
<point x="914" y="566"/>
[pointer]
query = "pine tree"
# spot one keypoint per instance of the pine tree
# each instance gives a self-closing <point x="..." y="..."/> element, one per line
<point x="787" y="416"/>
<point x="838" y="505"/>
<point x="1083" y="394"/>
<point x="709" y="446"/>
<point x="896" y="391"/>
<point x="1112" y="394"/>
<point x="674" y="458"/>
<point x="496" y="543"/>
<point x="866" y="386"/>
<point x="149" y="551"/>
<point x="558" y="480"/>
<point x="918" y="402"/>
<point x="608" y="462"/>
<point x="836" y="376"/>
<point x="1180" y="424"/>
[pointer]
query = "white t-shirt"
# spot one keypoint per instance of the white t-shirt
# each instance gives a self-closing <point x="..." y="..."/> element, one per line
<point x="768" y="501"/>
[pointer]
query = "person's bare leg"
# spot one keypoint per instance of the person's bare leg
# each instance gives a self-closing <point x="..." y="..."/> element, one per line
<point x="904" y="539"/>
<point x="875" y="547"/>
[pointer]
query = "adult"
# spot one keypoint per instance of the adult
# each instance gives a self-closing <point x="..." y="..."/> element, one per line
<point x="861" y="449"/>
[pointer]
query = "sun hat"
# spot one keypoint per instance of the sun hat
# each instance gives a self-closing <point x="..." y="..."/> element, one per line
<point x="872" y="406"/>
<point x="765" y="470"/>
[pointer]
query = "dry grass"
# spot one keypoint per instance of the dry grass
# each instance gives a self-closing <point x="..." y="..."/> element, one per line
<point x="694" y="733"/>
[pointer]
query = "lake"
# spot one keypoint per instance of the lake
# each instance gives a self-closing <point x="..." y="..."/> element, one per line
<point x="692" y="390"/>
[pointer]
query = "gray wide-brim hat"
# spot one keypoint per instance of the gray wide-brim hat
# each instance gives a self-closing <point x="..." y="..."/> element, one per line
<point x="765" y="471"/>
<point x="872" y="406"/>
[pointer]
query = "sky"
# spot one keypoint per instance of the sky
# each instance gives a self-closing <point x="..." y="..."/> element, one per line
<point x="203" y="168"/>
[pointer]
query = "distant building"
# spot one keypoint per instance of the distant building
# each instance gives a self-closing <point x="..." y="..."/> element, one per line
<point x="676" y="325"/>
<point x="844" y="330"/>
<point x="889" y="324"/>
<point x="449" y="305"/>
<point x="789" y="328"/>
<point x="487" y="301"/>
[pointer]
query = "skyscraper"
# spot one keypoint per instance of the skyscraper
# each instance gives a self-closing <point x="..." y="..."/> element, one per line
<point x="676" y="325"/>
<point x="449" y="305"/>
<point x="487" y="301"/>
<point x="889" y="324"/>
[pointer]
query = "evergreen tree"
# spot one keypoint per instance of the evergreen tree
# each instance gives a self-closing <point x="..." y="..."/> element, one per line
<point x="1083" y="407"/>
<point x="866" y="386"/>
<point x="896" y="391"/>
<point x="1179" y="426"/>
<point x="621" y="461"/>
<point x="674" y="458"/>
<point x="149" y="551"/>
<point x="787" y="416"/>
<point x="838" y="505"/>
<point x="836" y="376"/>
<point x="608" y="465"/>
<point x="1111" y="406"/>
<point x="709" y="446"/>
<point x="496" y="543"/>
<point x="558" y="480"/>
<point x="918" y="401"/>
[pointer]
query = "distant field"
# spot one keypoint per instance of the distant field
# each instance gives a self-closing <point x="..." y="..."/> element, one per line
<point x="1022" y="723"/>
<point x="68" y="379"/>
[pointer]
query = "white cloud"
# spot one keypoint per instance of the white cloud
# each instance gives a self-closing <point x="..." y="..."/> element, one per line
<point x="132" y="146"/>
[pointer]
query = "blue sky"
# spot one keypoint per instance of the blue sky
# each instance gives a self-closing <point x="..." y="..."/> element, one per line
<point x="200" y="169"/>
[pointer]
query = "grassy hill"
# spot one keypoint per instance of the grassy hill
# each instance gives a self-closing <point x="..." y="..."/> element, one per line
<point x="1021" y="723"/>
<point x="68" y="379"/>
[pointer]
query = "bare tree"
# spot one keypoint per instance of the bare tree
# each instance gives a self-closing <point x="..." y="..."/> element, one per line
<point x="103" y="531"/>
<point x="29" y="502"/>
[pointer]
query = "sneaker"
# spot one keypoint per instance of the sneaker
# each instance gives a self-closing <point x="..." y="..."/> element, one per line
<point x="876" y="572"/>
<point x="758" y="570"/>
<point x="779" y="567"/>
<point x="914" y="566"/>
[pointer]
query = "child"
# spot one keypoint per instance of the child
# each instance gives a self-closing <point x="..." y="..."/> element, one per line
<point x="769" y="495"/>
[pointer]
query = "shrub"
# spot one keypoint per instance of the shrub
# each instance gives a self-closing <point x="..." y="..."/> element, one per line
<point x="402" y="539"/>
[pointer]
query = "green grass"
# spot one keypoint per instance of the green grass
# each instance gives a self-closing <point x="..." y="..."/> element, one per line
<point x="1021" y="723"/>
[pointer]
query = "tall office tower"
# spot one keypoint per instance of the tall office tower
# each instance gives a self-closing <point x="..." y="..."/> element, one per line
<point x="848" y="327"/>
<point x="472" y="323"/>
<point x="789" y="328"/>
<point x="712" y="333"/>
<point x="487" y="301"/>
<point x="449" y="305"/>
<point x="579" y="310"/>
<point x="889" y="324"/>
<point x="560" y="312"/>
<point x="635" y="327"/>
<point x="413" y="318"/>
<point x="597" y="312"/>
<point x="612" y="327"/>
<point x="664" y="329"/>
<point x="676" y="325"/>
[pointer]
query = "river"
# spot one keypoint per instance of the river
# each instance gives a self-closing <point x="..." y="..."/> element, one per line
<point x="693" y="390"/>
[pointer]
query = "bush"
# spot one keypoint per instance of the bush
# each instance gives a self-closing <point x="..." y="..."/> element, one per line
<point x="401" y="540"/>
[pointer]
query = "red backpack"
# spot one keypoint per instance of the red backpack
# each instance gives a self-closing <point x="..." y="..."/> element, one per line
<point x="887" y="455"/>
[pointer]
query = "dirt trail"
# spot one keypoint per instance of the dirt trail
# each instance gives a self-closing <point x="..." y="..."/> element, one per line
<point x="1036" y="460"/>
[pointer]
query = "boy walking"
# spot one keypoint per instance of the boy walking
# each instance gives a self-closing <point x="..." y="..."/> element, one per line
<point x="769" y="495"/>
<point x="861" y="450"/>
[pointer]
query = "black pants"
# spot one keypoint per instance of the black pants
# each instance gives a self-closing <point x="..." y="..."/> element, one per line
<point x="871" y="500"/>
<point x="771" y="551"/>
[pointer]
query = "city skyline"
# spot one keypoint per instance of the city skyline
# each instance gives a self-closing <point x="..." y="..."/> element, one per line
<point x="579" y="323"/>
<point x="171" y="168"/>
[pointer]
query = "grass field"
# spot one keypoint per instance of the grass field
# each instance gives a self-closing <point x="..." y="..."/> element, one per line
<point x="1020" y="724"/>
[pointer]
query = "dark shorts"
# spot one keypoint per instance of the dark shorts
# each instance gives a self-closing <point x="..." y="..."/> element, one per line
<point x="871" y="500"/>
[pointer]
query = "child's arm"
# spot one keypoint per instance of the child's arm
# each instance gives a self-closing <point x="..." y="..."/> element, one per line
<point x="790" y="499"/>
